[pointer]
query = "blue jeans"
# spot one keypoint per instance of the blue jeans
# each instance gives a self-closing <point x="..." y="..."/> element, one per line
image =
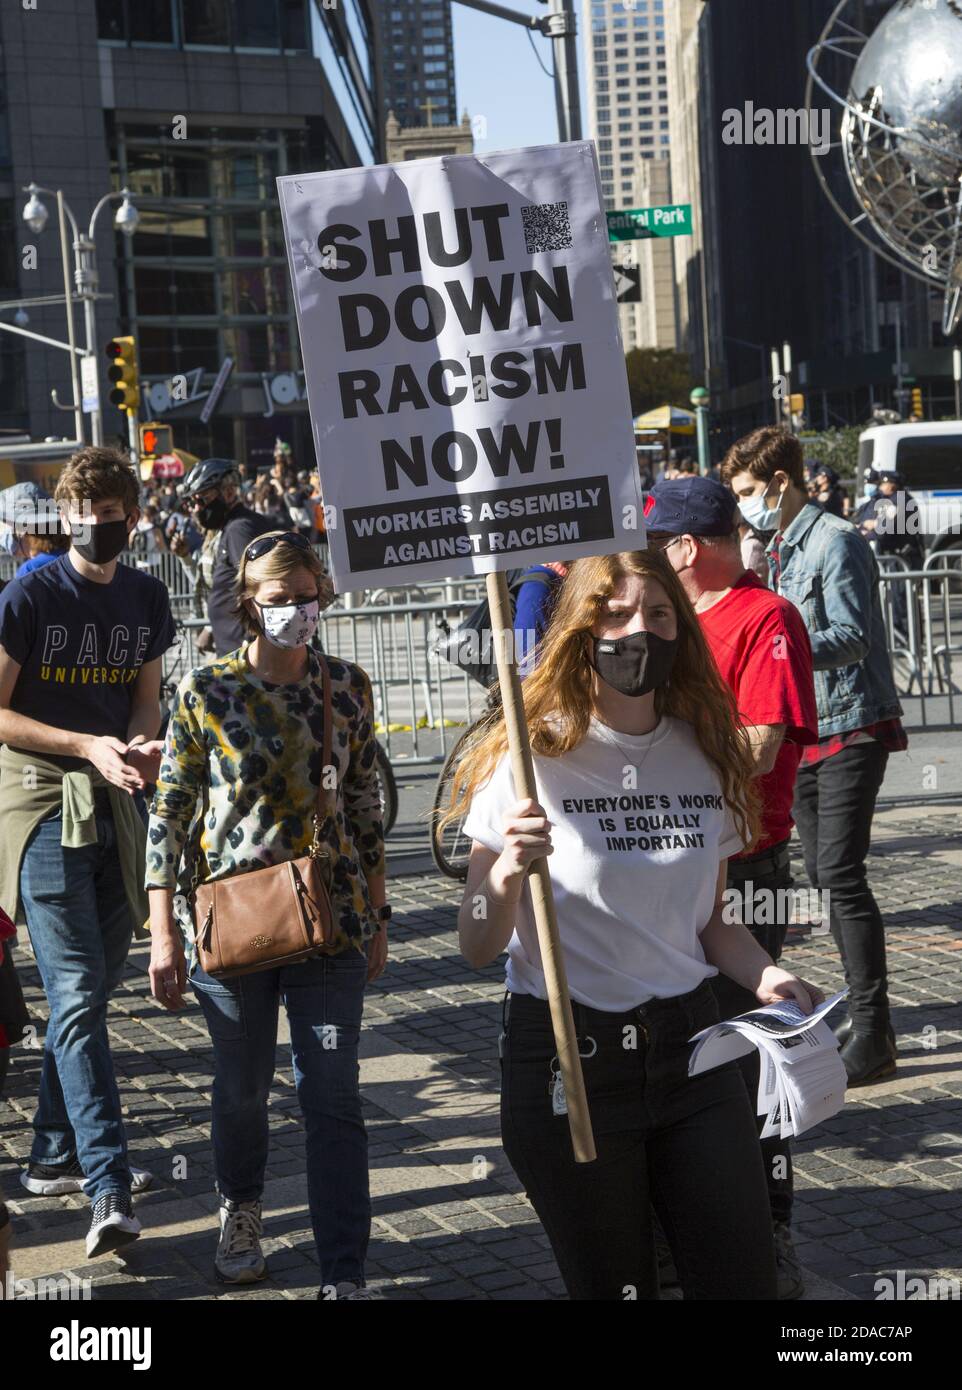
<point x="324" y="999"/>
<point x="80" y="928"/>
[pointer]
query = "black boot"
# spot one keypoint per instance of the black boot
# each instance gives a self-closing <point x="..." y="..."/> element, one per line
<point x="868" y="1056"/>
<point x="844" y="1031"/>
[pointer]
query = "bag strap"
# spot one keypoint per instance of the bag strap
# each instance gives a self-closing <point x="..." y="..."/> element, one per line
<point x="326" y="743"/>
<point x="326" y="746"/>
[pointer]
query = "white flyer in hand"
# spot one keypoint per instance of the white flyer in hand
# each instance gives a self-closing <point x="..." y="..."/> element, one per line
<point x="802" y="1078"/>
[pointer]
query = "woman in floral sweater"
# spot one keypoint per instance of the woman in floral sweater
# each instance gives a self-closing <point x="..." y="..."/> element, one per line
<point x="244" y="749"/>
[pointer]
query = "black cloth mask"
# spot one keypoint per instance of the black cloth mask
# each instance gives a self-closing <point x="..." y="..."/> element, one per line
<point x="213" y="514"/>
<point x="99" y="542"/>
<point x="634" y="665"/>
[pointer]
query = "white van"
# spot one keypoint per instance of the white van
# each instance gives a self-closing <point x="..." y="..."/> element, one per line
<point x="929" y="457"/>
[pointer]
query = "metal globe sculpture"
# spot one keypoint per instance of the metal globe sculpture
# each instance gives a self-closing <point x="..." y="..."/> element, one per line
<point x="901" y="134"/>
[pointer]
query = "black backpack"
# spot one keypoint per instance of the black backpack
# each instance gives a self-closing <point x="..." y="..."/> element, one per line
<point x="470" y="646"/>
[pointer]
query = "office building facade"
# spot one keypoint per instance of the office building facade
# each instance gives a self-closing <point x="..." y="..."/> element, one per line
<point x="627" y="102"/>
<point x="419" y="62"/>
<point x="681" y="37"/>
<point x="656" y="319"/>
<point x="197" y="108"/>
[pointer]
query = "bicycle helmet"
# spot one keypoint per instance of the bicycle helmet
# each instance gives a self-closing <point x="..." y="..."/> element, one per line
<point x="208" y="473"/>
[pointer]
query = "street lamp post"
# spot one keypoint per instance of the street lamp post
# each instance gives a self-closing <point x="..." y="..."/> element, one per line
<point x="85" y="274"/>
<point x="957" y="378"/>
<point x="699" y="399"/>
<point x="78" y="418"/>
<point x="562" y="28"/>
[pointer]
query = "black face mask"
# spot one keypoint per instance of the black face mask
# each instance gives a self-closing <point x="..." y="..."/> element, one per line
<point x="99" y="542"/>
<point x="213" y="515"/>
<point x="634" y="665"/>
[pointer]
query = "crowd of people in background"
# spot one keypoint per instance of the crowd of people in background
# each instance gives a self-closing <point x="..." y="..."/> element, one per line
<point x="287" y="497"/>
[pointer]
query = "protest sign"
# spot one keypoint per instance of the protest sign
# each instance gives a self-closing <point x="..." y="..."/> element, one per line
<point x="464" y="369"/>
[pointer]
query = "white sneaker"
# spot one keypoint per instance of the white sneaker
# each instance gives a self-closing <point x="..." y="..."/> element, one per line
<point x="113" y="1224"/>
<point x="57" y="1180"/>
<point x="239" y="1258"/>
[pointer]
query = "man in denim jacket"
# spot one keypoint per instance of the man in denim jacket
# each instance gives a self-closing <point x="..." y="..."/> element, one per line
<point x="828" y="570"/>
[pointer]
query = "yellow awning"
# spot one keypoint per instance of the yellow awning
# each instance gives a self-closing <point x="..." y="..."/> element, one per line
<point x="667" y="417"/>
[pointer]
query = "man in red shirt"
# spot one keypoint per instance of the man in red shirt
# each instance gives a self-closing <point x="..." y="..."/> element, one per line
<point x="762" y="650"/>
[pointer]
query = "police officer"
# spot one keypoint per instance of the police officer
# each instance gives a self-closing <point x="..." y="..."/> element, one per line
<point x="212" y="492"/>
<point x="890" y="516"/>
<point x="889" y="520"/>
<point x="828" y="491"/>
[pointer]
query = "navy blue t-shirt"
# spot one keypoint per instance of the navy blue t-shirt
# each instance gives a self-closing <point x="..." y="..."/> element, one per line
<point x="81" y="644"/>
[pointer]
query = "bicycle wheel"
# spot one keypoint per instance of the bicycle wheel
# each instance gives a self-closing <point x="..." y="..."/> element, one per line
<point x="450" y="848"/>
<point x="389" y="803"/>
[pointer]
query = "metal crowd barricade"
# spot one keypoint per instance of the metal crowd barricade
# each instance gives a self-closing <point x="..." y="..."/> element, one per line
<point x="948" y="564"/>
<point x="178" y="578"/>
<point x="422" y="703"/>
<point x="922" y="610"/>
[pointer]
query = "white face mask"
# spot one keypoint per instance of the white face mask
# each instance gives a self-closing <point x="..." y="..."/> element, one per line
<point x="757" y="512"/>
<point x="289" y="624"/>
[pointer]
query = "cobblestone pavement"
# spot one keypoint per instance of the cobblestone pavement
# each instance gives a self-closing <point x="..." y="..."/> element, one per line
<point x="879" y="1188"/>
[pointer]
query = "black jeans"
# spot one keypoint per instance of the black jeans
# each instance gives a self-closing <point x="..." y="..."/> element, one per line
<point x="767" y="873"/>
<point x="834" y="805"/>
<point x="686" y="1146"/>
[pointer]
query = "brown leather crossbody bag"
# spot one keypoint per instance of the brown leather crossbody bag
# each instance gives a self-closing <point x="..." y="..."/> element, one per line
<point x="273" y="916"/>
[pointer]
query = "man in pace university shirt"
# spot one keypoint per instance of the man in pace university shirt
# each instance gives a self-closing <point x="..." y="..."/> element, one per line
<point x="81" y="642"/>
<point x="762" y="651"/>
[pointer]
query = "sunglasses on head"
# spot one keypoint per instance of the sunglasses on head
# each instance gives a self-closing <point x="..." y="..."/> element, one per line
<point x="263" y="545"/>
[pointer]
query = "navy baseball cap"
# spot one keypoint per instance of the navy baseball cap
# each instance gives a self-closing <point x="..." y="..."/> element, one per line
<point x="691" y="506"/>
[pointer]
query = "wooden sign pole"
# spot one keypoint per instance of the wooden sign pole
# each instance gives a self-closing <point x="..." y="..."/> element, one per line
<point x="552" y="961"/>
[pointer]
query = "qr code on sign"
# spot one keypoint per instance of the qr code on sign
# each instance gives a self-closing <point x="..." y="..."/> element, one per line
<point x="546" y="227"/>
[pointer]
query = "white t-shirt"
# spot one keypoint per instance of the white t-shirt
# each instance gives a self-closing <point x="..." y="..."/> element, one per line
<point x="633" y="871"/>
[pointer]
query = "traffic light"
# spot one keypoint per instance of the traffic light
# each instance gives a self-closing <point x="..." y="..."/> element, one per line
<point x="123" y="373"/>
<point x="156" y="440"/>
<point x="917" y="402"/>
